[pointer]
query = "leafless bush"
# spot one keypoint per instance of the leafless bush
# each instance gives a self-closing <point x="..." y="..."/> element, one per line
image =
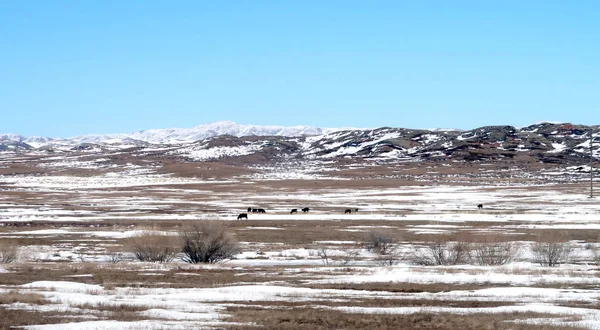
<point x="380" y="242"/>
<point x="115" y="257"/>
<point x="348" y="257"/>
<point x="438" y="252"/>
<point x="389" y="259"/>
<point x="325" y="256"/>
<point x="328" y="258"/>
<point x="149" y="246"/>
<point x="596" y="255"/>
<point x="490" y="251"/>
<point x="115" y="254"/>
<point x="551" y="249"/>
<point x="208" y="242"/>
<point x="9" y="252"/>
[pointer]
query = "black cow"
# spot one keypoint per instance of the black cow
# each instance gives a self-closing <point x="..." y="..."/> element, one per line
<point x="480" y="206"/>
<point x="306" y="209"/>
<point x="260" y="211"/>
<point x="243" y="216"/>
<point x="294" y="211"/>
<point x="348" y="211"/>
<point x="249" y="209"/>
<point x="254" y="210"/>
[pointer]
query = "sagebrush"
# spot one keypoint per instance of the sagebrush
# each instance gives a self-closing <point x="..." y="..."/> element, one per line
<point x="208" y="242"/>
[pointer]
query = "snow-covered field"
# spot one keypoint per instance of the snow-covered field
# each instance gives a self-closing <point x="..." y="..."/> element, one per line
<point x="69" y="227"/>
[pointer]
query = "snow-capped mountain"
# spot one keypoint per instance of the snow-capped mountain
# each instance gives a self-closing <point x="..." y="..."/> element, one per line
<point x="169" y="135"/>
<point x="182" y="135"/>
<point x="544" y="142"/>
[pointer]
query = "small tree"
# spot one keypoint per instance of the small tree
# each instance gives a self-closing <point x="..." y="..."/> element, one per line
<point x="552" y="249"/>
<point x="149" y="246"/>
<point x="208" y="242"/>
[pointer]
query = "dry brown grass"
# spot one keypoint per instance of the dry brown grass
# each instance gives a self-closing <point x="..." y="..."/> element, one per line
<point x="131" y="275"/>
<point x="380" y="303"/>
<point x="16" y="296"/>
<point x="13" y="318"/>
<point x="401" y="287"/>
<point x="117" y="312"/>
<point x="324" y="319"/>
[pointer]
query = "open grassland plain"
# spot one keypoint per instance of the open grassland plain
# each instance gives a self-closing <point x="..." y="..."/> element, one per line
<point x="382" y="246"/>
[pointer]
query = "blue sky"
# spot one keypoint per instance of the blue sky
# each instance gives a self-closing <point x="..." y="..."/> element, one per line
<point x="80" y="67"/>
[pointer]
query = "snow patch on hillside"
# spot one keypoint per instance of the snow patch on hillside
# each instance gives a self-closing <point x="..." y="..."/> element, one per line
<point x="218" y="152"/>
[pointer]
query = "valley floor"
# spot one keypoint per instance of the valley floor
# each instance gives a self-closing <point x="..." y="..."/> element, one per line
<point x="306" y="270"/>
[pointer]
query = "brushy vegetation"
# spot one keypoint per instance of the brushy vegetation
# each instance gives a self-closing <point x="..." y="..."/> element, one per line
<point x="380" y="242"/>
<point x="208" y="242"/>
<point x="439" y="252"/>
<point x="9" y="252"/>
<point x="492" y="251"/>
<point x="149" y="246"/>
<point x="552" y="249"/>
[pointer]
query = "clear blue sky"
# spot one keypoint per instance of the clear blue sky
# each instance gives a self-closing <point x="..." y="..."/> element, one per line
<point x="112" y="66"/>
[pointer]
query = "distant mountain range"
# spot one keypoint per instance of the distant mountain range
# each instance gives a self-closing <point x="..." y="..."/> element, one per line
<point x="171" y="135"/>
<point x="543" y="142"/>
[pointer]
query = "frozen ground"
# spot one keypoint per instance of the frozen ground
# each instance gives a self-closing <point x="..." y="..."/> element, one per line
<point x="316" y="260"/>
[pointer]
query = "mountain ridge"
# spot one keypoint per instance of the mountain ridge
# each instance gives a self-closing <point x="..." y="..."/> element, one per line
<point x="542" y="142"/>
<point x="176" y="135"/>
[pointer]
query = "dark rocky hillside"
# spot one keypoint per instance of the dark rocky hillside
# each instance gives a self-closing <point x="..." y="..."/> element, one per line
<point x="544" y="143"/>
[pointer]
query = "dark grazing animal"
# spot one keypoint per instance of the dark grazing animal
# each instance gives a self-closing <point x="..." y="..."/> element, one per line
<point x="243" y="216"/>
<point x="294" y="211"/>
<point x="306" y="209"/>
<point x="260" y="211"/>
<point x="480" y="206"/>
<point x="249" y="209"/>
<point x="348" y="211"/>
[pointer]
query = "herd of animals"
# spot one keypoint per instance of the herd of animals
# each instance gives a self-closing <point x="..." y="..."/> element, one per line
<point x="304" y="210"/>
<point x="253" y="210"/>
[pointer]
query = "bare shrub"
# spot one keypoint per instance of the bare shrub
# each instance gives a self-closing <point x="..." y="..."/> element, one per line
<point x="389" y="259"/>
<point x="115" y="254"/>
<point x="438" y="252"/>
<point x="208" y="242"/>
<point x="491" y="251"/>
<point x="551" y="249"/>
<point x="9" y="252"/>
<point x="325" y="256"/>
<point x="348" y="257"/>
<point x="149" y="246"/>
<point x="596" y="255"/>
<point x="380" y="242"/>
<point x="115" y="257"/>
